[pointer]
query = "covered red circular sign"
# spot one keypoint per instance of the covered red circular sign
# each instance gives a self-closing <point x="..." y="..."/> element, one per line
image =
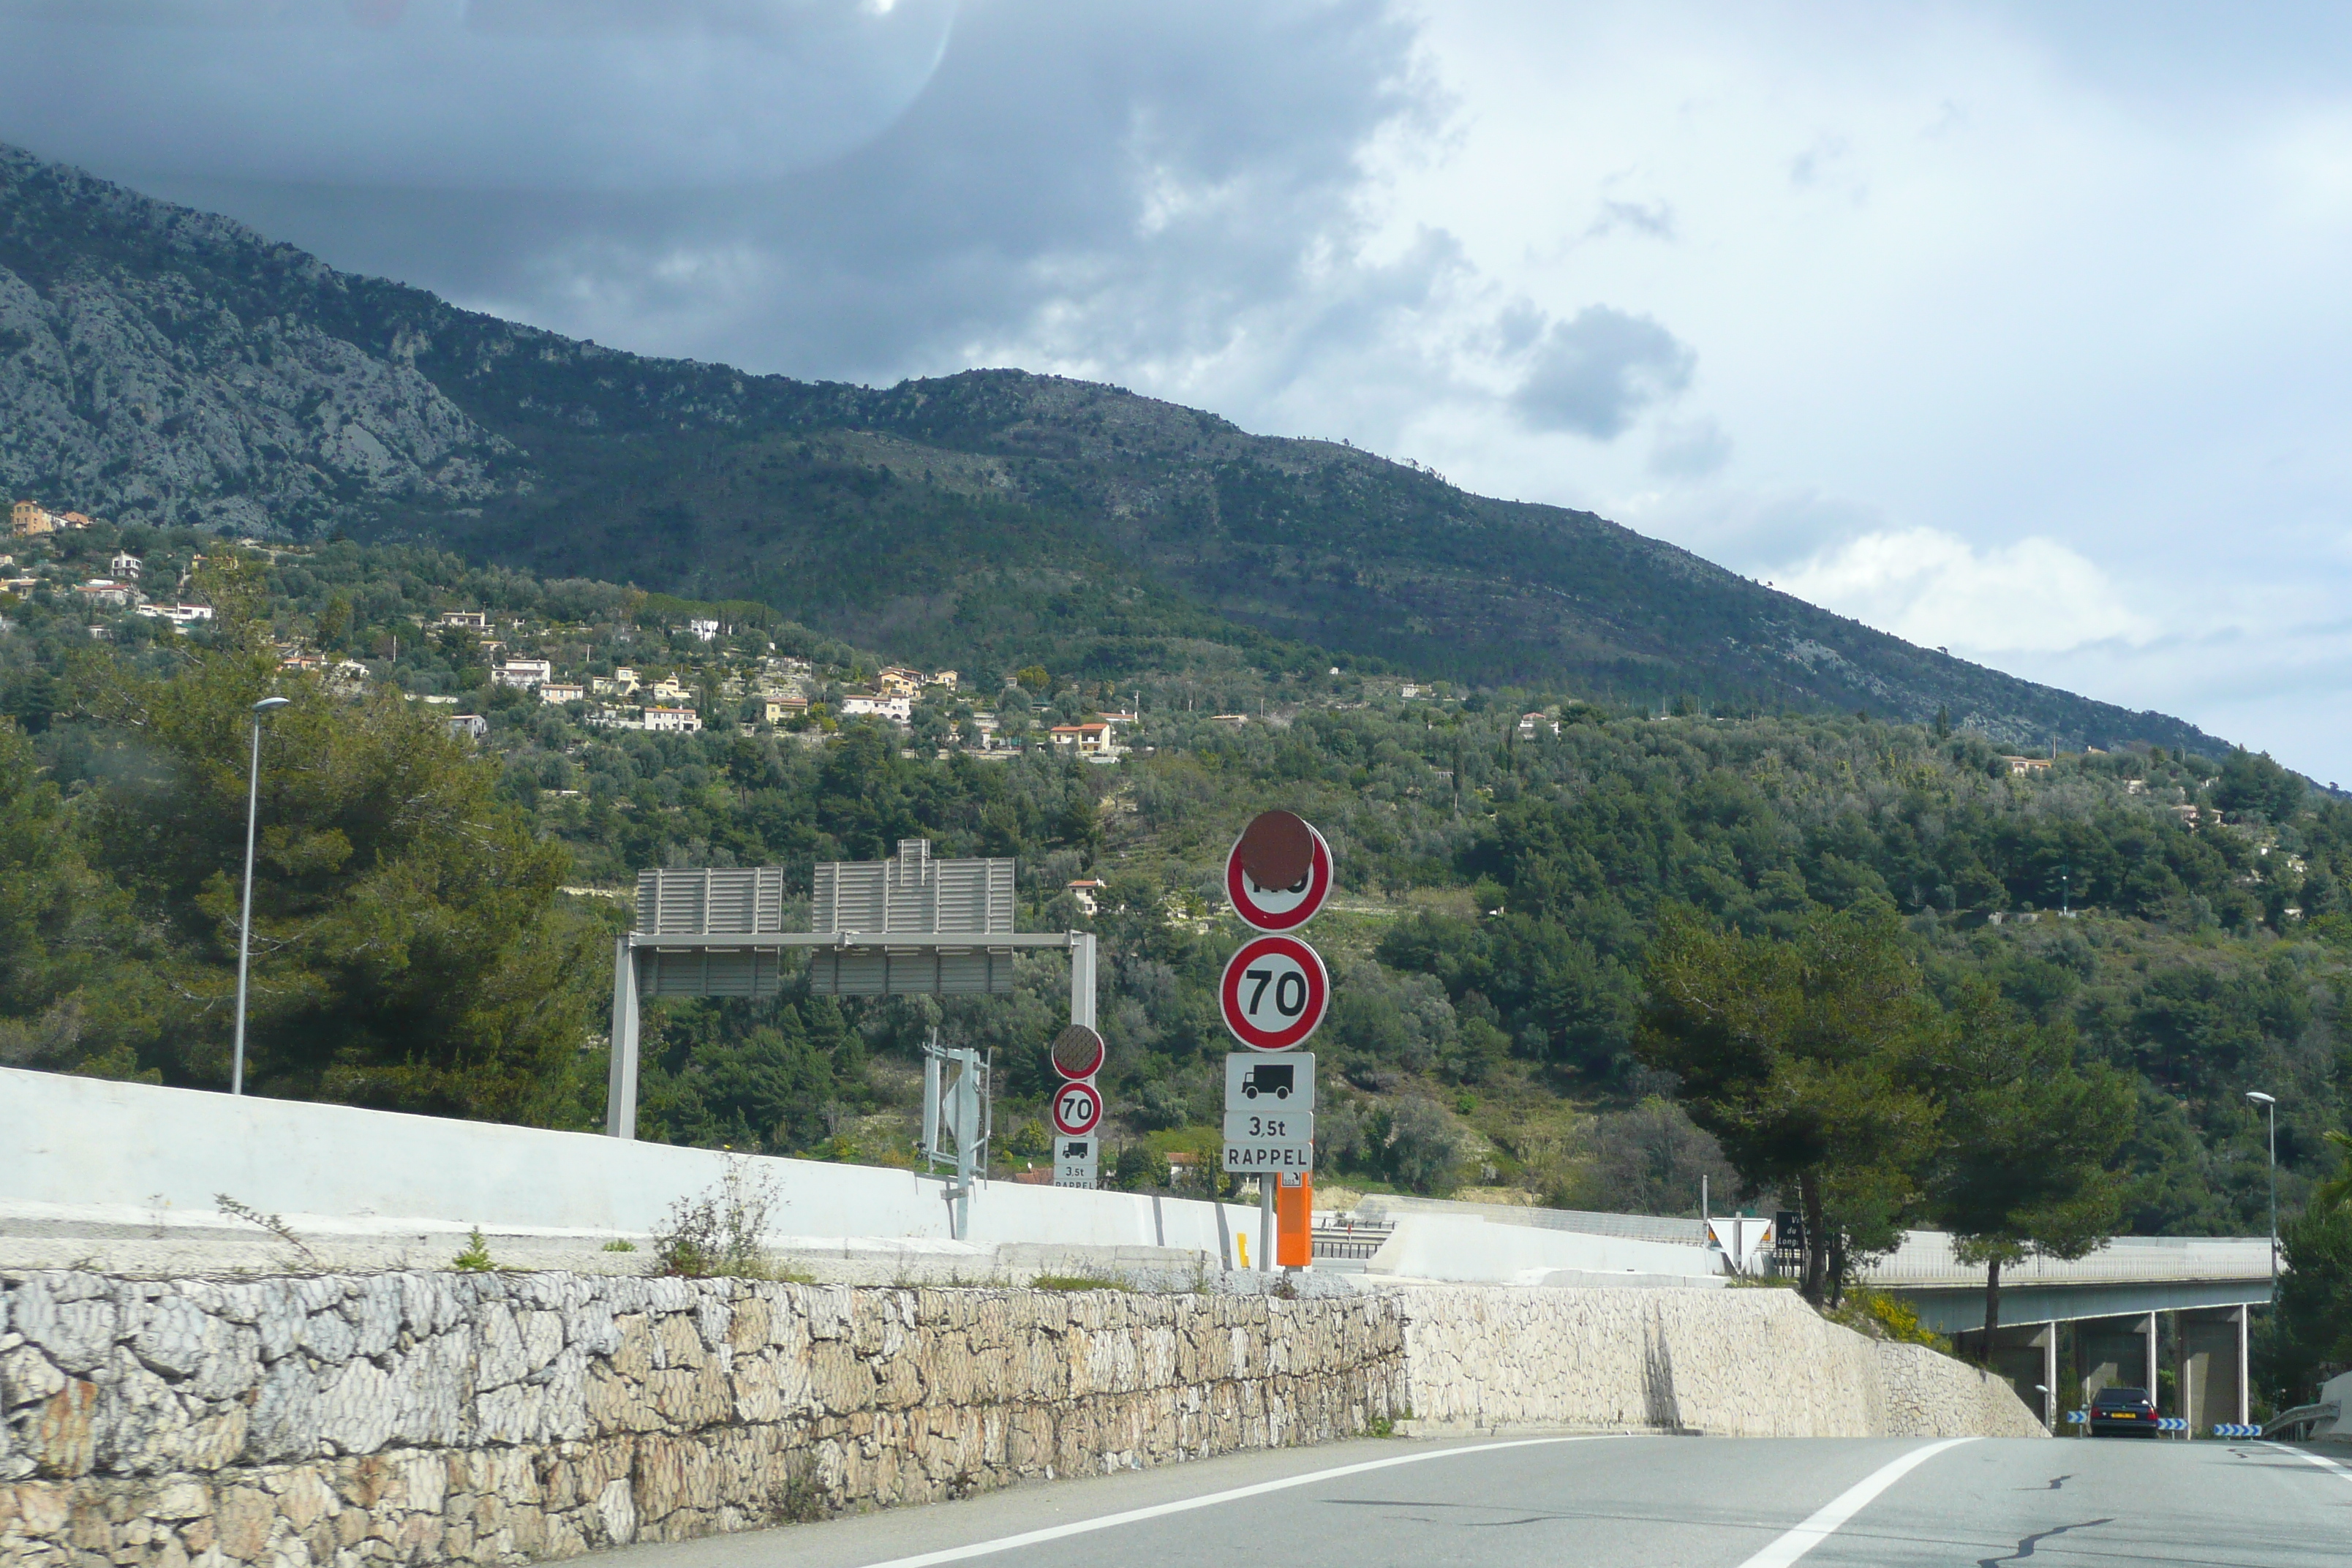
<point x="1278" y="845"/>
<point x="1274" y="992"/>
<point x="1077" y="1052"/>
<point x="1078" y="1108"/>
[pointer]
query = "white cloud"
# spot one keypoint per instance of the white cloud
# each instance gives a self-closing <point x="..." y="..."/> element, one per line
<point x="1938" y="590"/>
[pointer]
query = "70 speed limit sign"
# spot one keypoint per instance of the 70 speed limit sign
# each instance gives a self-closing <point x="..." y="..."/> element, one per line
<point x="1078" y="1108"/>
<point x="1274" y="992"/>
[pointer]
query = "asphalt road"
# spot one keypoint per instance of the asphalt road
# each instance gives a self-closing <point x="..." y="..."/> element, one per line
<point x="1659" y="1502"/>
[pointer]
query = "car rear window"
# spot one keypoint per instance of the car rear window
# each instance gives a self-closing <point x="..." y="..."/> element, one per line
<point x="2122" y="1397"/>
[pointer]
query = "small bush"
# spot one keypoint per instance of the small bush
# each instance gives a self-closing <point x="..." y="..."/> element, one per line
<point x="717" y="1234"/>
<point x="476" y="1258"/>
<point x="620" y="1243"/>
<point x="1077" y="1282"/>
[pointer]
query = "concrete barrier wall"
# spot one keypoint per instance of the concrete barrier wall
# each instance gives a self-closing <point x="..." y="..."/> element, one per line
<point x="88" y="1142"/>
<point x="1466" y="1248"/>
<point x="429" y="1418"/>
<point x="1748" y="1364"/>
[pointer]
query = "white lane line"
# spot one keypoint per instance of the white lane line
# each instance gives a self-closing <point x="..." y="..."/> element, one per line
<point x="1160" y="1511"/>
<point x="1845" y="1506"/>
<point x="2324" y="1462"/>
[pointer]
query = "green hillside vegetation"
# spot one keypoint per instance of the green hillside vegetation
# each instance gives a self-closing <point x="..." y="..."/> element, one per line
<point x="1500" y="887"/>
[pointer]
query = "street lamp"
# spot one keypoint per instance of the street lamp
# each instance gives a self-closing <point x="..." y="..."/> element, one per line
<point x="245" y="926"/>
<point x="2269" y="1103"/>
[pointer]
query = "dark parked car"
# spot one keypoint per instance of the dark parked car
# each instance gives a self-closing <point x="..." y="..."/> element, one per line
<point x="2126" y="1412"/>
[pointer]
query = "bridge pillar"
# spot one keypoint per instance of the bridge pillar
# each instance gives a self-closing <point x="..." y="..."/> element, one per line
<point x="2209" y="1366"/>
<point x="2111" y="1352"/>
<point x="2023" y="1353"/>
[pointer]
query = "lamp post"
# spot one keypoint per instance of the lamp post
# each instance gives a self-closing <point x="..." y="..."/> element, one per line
<point x="244" y="923"/>
<point x="2269" y="1107"/>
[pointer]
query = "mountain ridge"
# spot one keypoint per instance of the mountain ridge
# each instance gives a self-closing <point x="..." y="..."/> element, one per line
<point x="163" y="364"/>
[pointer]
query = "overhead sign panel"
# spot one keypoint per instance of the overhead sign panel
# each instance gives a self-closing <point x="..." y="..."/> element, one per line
<point x="1274" y="992"/>
<point x="911" y="895"/>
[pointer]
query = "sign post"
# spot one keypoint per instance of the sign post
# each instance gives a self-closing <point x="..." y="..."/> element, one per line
<point x="1275" y="994"/>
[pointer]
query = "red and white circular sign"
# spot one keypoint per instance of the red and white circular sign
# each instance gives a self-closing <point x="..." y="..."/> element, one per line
<point x="1078" y="1108"/>
<point x="1274" y="992"/>
<point x="1280" y="908"/>
<point x="1077" y="1052"/>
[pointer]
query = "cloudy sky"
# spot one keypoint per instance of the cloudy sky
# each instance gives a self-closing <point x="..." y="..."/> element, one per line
<point x="2018" y="329"/>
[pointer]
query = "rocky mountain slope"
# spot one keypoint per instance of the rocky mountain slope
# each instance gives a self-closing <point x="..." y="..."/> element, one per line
<point x="165" y="365"/>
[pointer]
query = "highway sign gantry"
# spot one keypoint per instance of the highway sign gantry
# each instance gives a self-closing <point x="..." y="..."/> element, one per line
<point x="1278" y="872"/>
<point x="1274" y="992"/>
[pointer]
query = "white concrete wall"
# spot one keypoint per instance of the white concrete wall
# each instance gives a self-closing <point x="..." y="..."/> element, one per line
<point x="1463" y="1249"/>
<point x="85" y="1141"/>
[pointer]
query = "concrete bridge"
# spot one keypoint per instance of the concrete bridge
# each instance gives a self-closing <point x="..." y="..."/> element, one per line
<point x="2138" y="1307"/>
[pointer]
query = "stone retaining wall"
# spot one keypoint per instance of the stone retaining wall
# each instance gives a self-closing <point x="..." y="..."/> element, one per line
<point x="1747" y="1363"/>
<point x="425" y="1419"/>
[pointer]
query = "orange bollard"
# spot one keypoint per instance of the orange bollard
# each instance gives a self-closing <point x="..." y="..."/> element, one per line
<point x="1294" y="1221"/>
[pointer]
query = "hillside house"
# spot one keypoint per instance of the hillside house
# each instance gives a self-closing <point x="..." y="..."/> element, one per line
<point x="897" y="709"/>
<point x="2021" y="766"/>
<point x="622" y="682"/>
<point x="1531" y="722"/>
<point x="125" y="566"/>
<point x="561" y="692"/>
<point x="673" y="720"/>
<point x="1091" y="739"/>
<point x="1085" y="891"/>
<point x="900" y="682"/>
<point x="704" y="631"/>
<point x="472" y="726"/>
<point x="945" y="678"/>
<point x="182" y="617"/>
<point x="105" y="592"/>
<point x="524" y="672"/>
<point x="301" y="661"/>
<point x="1231" y="720"/>
<point x="776" y="710"/>
<point x="30" y="520"/>
<point x="467" y="620"/>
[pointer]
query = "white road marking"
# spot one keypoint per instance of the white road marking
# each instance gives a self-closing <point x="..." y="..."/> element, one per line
<point x="1845" y="1506"/>
<point x="1158" y="1510"/>
<point x="2324" y="1462"/>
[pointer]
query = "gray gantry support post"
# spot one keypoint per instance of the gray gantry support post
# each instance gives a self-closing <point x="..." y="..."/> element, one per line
<point x="2151" y="1358"/>
<point x="2245" y="1371"/>
<point x="621" y="1088"/>
<point x="1082" y="979"/>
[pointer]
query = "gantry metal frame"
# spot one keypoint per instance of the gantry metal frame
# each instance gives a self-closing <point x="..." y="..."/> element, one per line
<point x="621" y="1101"/>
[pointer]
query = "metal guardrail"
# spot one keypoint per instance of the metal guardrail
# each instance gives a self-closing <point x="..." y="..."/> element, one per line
<point x="2295" y="1425"/>
<point x="1346" y="1240"/>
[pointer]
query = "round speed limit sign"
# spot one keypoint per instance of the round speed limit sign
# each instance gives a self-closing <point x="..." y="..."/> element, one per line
<point x="1077" y="1109"/>
<point x="1274" y="994"/>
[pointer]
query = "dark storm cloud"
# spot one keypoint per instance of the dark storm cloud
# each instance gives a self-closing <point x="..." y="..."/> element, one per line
<point x="1596" y="373"/>
<point x="1136" y="179"/>
<point x="467" y="94"/>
